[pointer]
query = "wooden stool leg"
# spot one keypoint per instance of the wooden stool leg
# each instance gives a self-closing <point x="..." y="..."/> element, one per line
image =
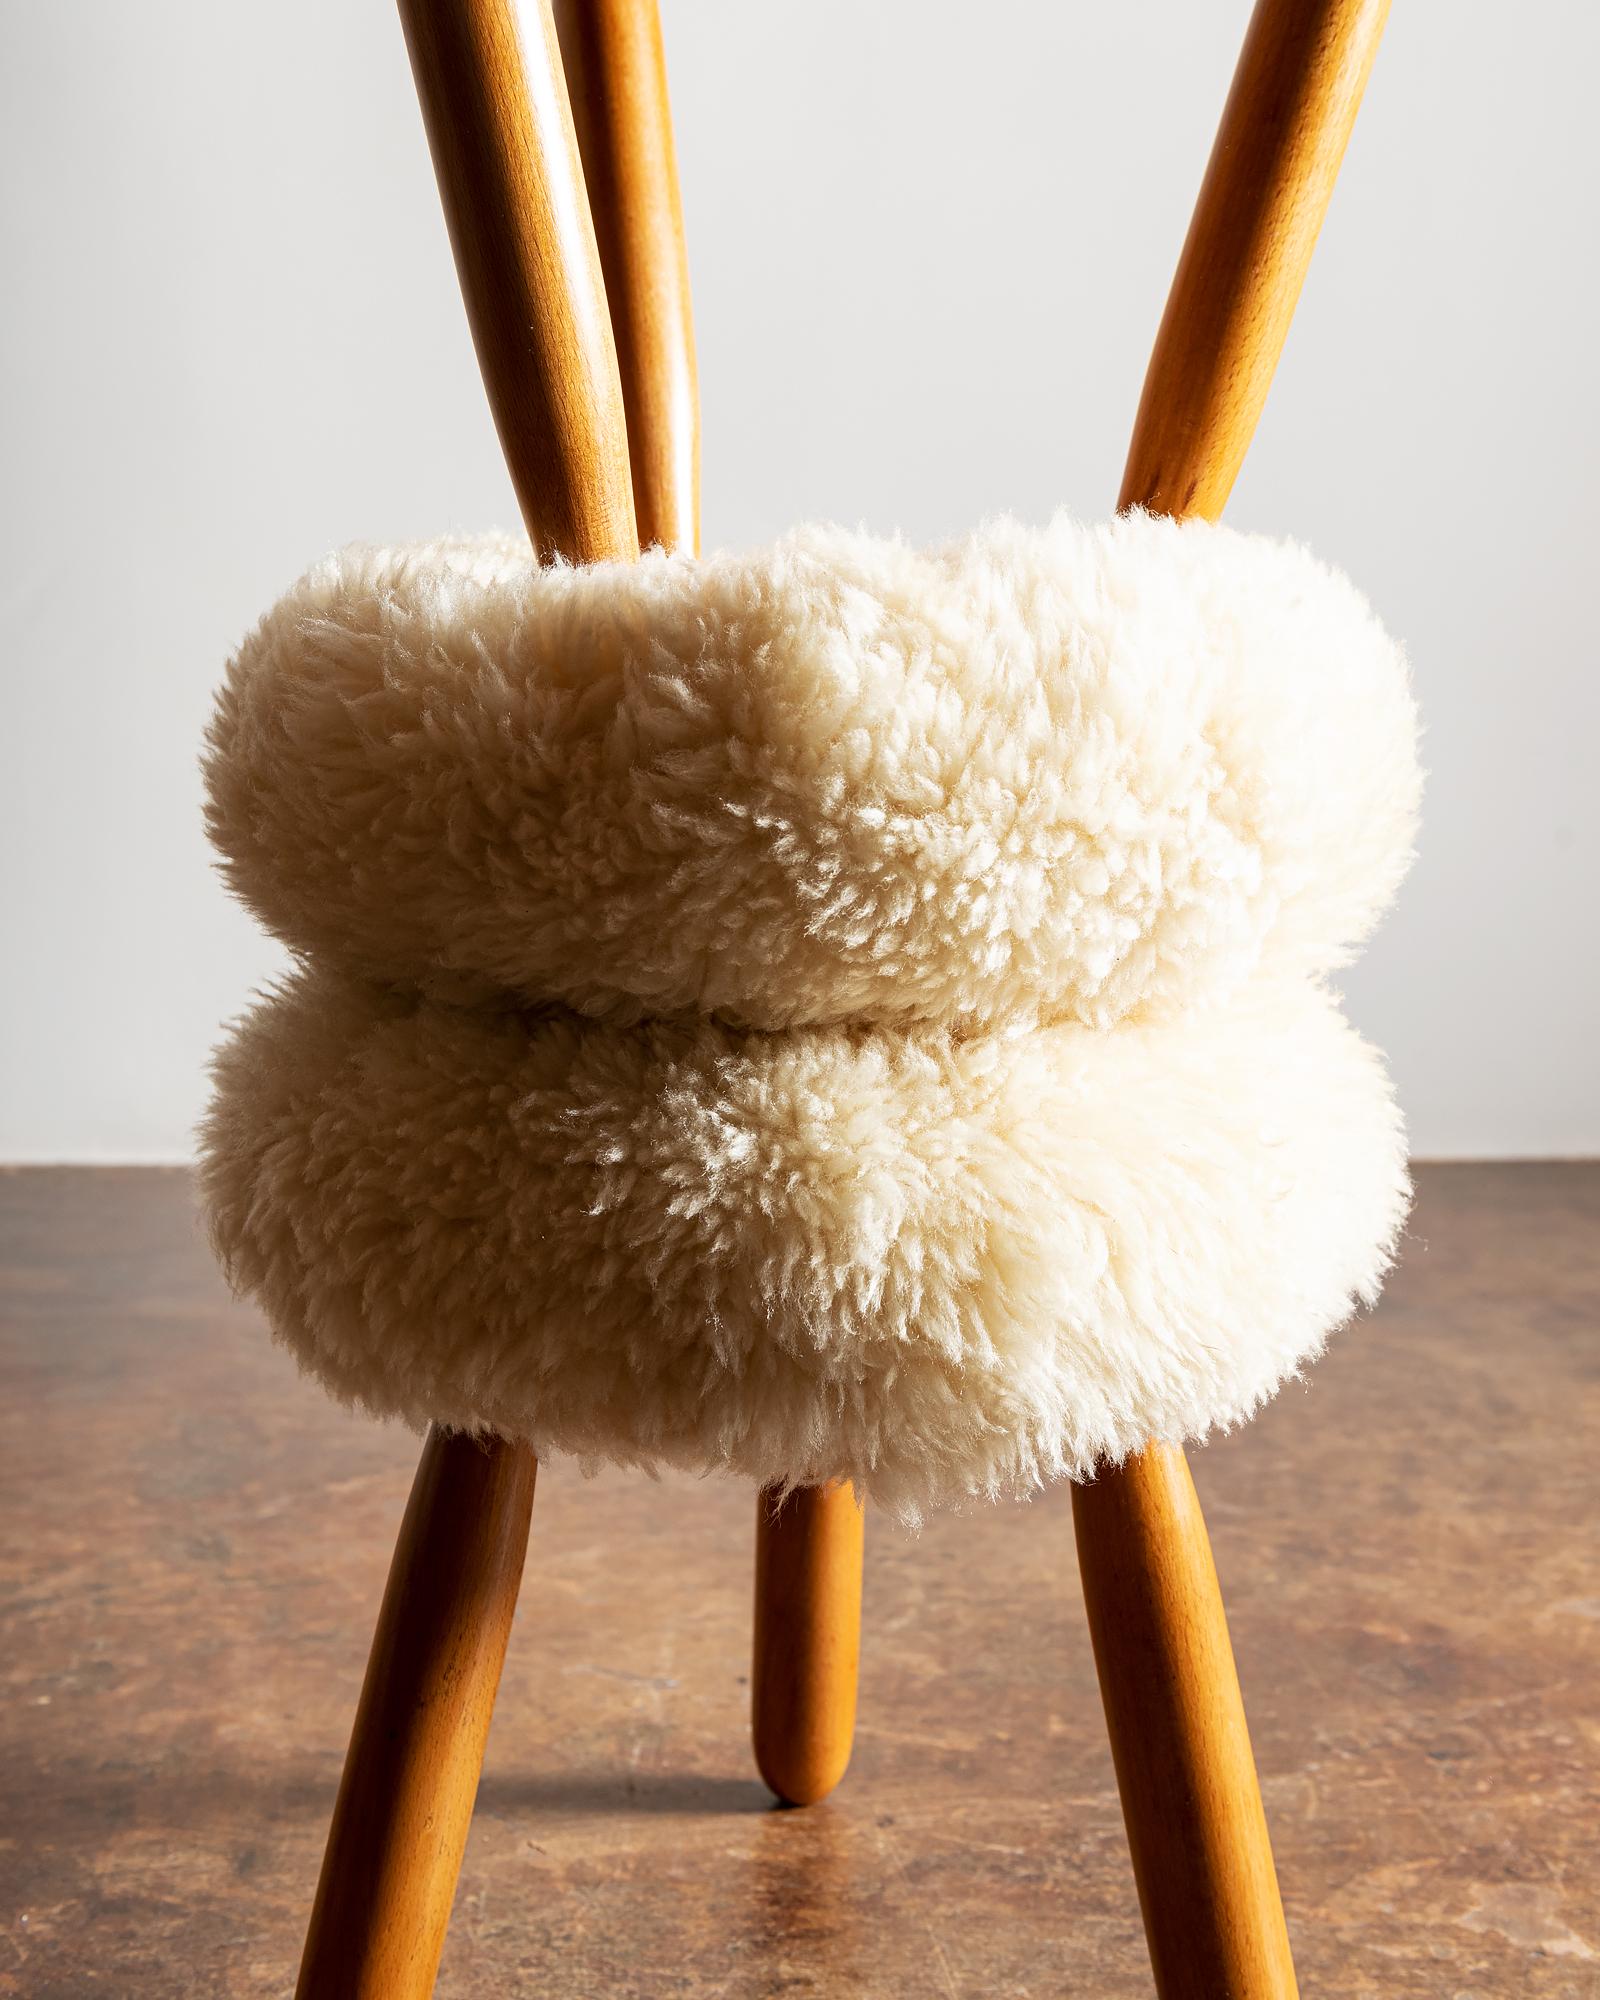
<point x="1201" y="1856"/>
<point x="807" y="1638"/>
<point x="411" y="1775"/>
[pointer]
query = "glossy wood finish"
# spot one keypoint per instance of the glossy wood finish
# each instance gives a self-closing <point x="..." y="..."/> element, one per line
<point x="405" y="1802"/>
<point x="1191" y="1799"/>
<point x="488" y="74"/>
<point x="807" y="1638"/>
<point x="1201" y="1856"/>
<point x="617" y="81"/>
<point x="1294" y="99"/>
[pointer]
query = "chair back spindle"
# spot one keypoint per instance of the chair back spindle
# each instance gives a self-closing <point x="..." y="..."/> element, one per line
<point x="1283" y="133"/>
<point x="617" y="83"/>
<point x="494" y="101"/>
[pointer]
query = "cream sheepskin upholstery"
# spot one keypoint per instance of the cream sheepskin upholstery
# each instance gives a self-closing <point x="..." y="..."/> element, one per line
<point x="1073" y="773"/>
<point x="839" y="1011"/>
<point x="941" y="1266"/>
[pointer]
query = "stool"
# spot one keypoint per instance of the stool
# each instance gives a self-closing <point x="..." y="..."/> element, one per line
<point x="850" y="1016"/>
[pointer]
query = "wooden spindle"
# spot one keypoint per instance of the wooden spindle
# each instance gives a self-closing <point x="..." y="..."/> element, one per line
<point x="1294" y="99"/>
<point x="1191" y="1798"/>
<point x="1202" y="1858"/>
<point x="488" y="75"/>
<point x="807" y="1638"/>
<point x="617" y="81"/>
<point x="411" y="1775"/>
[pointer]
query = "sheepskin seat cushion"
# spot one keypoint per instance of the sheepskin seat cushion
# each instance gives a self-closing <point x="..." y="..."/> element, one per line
<point x="942" y="1266"/>
<point x="837" y="1011"/>
<point x="1081" y="773"/>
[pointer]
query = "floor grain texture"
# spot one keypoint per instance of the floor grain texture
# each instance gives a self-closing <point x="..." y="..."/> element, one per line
<point x="195" y="1543"/>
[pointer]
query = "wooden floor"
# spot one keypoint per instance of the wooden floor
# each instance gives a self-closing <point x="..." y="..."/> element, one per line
<point x="194" y="1545"/>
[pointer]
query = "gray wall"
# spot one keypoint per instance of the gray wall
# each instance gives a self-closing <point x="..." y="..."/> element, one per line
<point x="930" y="247"/>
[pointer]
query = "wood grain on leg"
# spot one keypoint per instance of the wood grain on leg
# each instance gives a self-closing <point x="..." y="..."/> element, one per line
<point x="1201" y="1855"/>
<point x="617" y="82"/>
<point x="807" y="1638"/>
<point x="411" y="1775"/>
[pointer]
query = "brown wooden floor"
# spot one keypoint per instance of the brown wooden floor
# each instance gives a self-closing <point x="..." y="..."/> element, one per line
<point x="194" y="1545"/>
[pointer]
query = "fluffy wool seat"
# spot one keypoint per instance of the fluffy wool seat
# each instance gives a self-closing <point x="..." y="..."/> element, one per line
<point x="940" y="1266"/>
<point x="838" y="1011"/>
<point x="1080" y="773"/>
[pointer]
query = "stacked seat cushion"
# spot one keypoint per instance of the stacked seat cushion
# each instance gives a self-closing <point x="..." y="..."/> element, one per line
<point x="835" y="1011"/>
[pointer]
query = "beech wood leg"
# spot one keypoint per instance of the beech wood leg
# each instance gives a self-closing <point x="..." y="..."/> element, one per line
<point x="807" y="1638"/>
<point x="411" y="1774"/>
<point x="1190" y="1797"/>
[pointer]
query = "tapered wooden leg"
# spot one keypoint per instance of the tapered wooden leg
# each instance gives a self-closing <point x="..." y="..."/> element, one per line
<point x="411" y="1775"/>
<point x="807" y="1638"/>
<point x="1190" y="1796"/>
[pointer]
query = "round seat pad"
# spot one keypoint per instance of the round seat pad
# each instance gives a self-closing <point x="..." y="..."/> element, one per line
<point x="941" y="1266"/>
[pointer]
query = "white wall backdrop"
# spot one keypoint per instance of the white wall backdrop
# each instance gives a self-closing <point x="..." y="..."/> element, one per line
<point x="930" y="247"/>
